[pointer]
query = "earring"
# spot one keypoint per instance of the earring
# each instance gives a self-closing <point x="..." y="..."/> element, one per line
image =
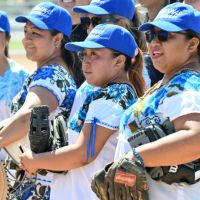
<point x="57" y="45"/>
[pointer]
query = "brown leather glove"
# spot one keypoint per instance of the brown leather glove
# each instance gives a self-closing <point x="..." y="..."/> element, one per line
<point x="121" y="180"/>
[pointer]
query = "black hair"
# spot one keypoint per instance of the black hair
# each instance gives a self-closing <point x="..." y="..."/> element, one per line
<point x="72" y="61"/>
<point x="138" y="35"/>
<point x="6" y="51"/>
<point x="190" y="34"/>
<point x="174" y="1"/>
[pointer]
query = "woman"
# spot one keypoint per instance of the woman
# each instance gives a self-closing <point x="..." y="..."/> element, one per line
<point x="123" y="14"/>
<point x="153" y="7"/>
<point x="54" y="82"/>
<point x="101" y="12"/>
<point x="79" y="33"/>
<point x="12" y="75"/>
<point x="92" y="131"/>
<point x="176" y="99"/>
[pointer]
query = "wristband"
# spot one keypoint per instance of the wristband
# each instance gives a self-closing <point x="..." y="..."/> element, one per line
<point x="137" y="155"/>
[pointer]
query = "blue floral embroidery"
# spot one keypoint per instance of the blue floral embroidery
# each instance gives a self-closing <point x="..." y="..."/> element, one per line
<point x="121" y="94"/>
<point x="11" y="82"/>
<point x="59" y="80"/>
<point x="61" y="84"/>
<point x="44" y="73"/>
<point x="146" y="108"/>
<point x="37" y="192"/>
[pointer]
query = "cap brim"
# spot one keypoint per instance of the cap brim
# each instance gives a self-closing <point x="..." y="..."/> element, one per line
<point x="2" y="30"/>
<point x="38" y="23"/>
<point x="80" y="46"/>
<point x="90" y="9"/>
<point x="166" y="26"/>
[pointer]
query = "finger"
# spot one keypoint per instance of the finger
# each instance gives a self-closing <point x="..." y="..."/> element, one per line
<point x="21" y="166"/>
<point x="30" y="173"/>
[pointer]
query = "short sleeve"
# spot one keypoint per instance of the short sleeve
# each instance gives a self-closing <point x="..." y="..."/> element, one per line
<point x="181" y="104"/>
<point x="107" y="112"/>
<point x="54" y="78"/>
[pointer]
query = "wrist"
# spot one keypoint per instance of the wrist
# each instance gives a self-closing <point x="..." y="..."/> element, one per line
<point x="137" y="156"/>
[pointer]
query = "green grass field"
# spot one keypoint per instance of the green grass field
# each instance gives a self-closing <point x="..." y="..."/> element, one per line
<point x="15" y="44"/>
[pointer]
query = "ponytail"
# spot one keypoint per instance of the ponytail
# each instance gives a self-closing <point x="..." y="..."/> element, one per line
<point x="135" y="68"/>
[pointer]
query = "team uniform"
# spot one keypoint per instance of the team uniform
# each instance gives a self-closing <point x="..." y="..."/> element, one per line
<point x="102" y="107"/>
<point x="179" y="97"/>
<point x="56" y="80"/>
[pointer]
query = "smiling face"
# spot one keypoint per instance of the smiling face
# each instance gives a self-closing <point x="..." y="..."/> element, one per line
<point x="100" y="67"/>
<point x="170" y="55"/>
<point x="39" y="44"/>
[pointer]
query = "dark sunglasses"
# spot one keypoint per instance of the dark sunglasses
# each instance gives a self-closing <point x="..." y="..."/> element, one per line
<point x="161" y="35"/>
<point x="86" y="21"/>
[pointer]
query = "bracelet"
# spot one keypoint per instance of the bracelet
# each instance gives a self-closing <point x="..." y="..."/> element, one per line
<point x="139" y="158"/>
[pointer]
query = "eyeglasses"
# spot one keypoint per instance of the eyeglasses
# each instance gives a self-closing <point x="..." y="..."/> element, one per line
<point x="81" y="55"/>
<point x="161" y="35"/>
<point x="86" y="21"/>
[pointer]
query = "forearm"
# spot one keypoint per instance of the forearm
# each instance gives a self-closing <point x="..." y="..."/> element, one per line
<point x="14" y="129"/>
<point x="178" y="148"/>
<point x="65" y="158"/>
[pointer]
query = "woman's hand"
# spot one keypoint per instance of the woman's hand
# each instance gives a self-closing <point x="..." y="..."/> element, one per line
<point x="27" y="162"/>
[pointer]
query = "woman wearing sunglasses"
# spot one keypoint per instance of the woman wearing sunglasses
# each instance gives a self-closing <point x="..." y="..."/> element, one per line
<point x="174" y="43"/>
<point x="153" y="7"/>
<point x="92" y="131"/>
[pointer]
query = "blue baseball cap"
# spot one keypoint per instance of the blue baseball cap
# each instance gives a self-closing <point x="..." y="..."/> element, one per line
<point x="174" y="18"/>
<point x="4" y="22"/>
<point x="124" y="8"/>
<point x="107" y="36"/>
<point x="49" y="16"/>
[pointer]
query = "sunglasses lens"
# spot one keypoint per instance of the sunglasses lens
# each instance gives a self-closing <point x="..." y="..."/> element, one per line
<point x="149" y="36"/>
<point x="80" y="56"/>
<point x="162" y="36"/>
<point x="85" y="22"/>
<point x="95" y="21"/>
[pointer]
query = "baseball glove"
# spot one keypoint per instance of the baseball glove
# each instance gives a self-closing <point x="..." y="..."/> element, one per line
<point x="121" y="180"/>
<point x="3" y="182"/>
<point x="44" y="135"/>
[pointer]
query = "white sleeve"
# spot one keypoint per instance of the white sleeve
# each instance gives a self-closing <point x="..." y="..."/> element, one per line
<point x="52" y="79"/>
<point x="181" y="104"/>
<point x="107" y="112"/>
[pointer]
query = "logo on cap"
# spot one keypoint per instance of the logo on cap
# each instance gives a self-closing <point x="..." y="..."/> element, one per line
<point x="95" y="33"/>
<point x="169" y="13"/>
<point x="42" y="11"/>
